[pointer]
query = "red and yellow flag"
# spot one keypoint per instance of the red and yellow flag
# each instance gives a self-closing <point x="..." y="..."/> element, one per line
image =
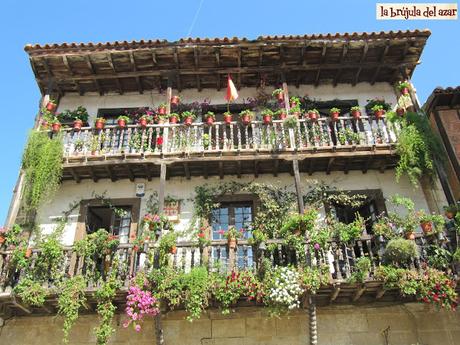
<point x="232" y="94"/>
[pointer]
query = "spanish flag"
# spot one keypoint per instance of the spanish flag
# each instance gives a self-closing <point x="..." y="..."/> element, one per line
<point x="232" y="94"/>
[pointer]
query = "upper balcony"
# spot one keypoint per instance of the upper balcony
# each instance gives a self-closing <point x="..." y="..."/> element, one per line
<point x="229" y="148"/>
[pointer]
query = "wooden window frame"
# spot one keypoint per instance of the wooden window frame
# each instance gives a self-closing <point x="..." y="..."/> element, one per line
<point x="134" y="203"/>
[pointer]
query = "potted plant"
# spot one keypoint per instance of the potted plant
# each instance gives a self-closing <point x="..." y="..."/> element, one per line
<point x="334" y="114"/>
<point x="430" y="223"/>
<point x="173" y="117"/>
<point x="206" y="141"/>
<point x="144" y="120"/>
<point x="55" y="125"/>
<point x="228" y="117"/>
<point x="175" y="100"/>
<point x="294" y="102"/>
<point x="232" y="235"/>
<point x="313" y="114"/>
<point x="450" y="211"/>
<point x="279" y="94"/>
<point x="210" y="118"/>
<point x="383" y="229"/>
<point x="246" y="116"/>
<point x="378" y="111"/>
<point x="400" y="111"/>
<point x="267" y="116"/>
<point x="400" y="252"/>
<point x="355" y="112"/>
<point x="281" y="114"/>
<point x="77" y="124"/>
<point x="162" y="109"/>
<point x="188" y="117"/>
<point x="167" y="244"/>
<point x="51" y="105"/>
<point x="122" y="121"/>
<point x="403" y="87"/>
<point x="99" y="123"/>
<point x="28" y="252"/>
<point x="3" y="232"/>
<point x="295" y="111"/>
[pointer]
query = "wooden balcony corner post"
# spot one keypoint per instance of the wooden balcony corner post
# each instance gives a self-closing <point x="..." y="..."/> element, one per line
<point x="287" y="108"/>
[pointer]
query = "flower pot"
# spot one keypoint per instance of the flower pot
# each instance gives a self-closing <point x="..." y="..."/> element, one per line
<point x="136" y="248"/>
<point x="292" y="105"/>
<point x="282" y="116"/>
<point x="296" y="114"/>
<point x="175" y="100"/>
<point x="356" y="114"/>
<point x="232" y="243"/>
<point x="162" y="110"/>
<point x="100" y="124"/>
<point x="188" y="121"/>
<point x="77" y="124"/>
<point x="28" y="253"/>
<point x="161" y="121"/>
<point x="410" y="236"/>
<point x="121" y="123"/>
<point x="227" y="119"/>
<point x="143" y="122"/>
<point x="297" y="232"/>
<point x="56" y="127"/>
<point x="267" y="119"/>
<point x="401" y="112"/>
<point x="173" y="250"/>
<point x="313" y="116"/>
<point x="379" y="114"/>
<point x="2" y="239"/>
<point x="51" y="107"/>
<point x="173" y="119"/>
<point x="404" y="91"/>
<point x="209" y="121"/>
<point x="280" y="97"/>
<point x="427" y="227"/>
<point x="246" y="119"/>
<point x="335" y="116"/>
<point x="449" y="215"/>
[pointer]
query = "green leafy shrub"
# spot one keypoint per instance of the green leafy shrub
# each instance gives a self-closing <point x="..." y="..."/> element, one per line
<point x="400" y="251"/>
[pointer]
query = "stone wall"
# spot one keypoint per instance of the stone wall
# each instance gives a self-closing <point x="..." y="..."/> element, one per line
<point x="341" y="325"/>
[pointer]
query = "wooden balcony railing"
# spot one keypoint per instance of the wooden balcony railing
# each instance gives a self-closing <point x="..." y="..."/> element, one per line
<point x="233" y="138"/>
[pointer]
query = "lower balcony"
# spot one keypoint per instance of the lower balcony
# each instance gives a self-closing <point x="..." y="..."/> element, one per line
<point x="230" y="148"/>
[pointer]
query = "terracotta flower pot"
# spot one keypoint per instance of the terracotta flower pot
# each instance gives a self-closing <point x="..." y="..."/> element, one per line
<point x="313" y="116"/>
<point x="175" y="100"/>
<point x="28" y="253"/>
<point x="280" y="97"/>
<point x="232" y="243"/>
<point x="400" y="111"/>
<point x="188" y="121"/>
<point x="2" y="239"/>
<point x="77" y="124"/>
<point x="173" y="250"/>
<point x="209" y="121"/>
<point x="121" y="123"/>
<point x="143" y="122"/>
<point x="173" y="119"/>
<point x="51" y="106"/>
<point x="335" y="116"/>
<point x="136" y="248"/>
<point x="282" y="116"/>
<point x="227" y="119"/>
<point x="405" y="91"/>
<point x="161" y="121"/>
<point x="427" y="227"/>
<point x="410" y="236"/>
<point x="449" y="215"/>
<point x="246" y="119"/>
<point x="379" y="114"/>
<point x="162" y="110"/>
<point x="267" y="119"/>
<point x="100" y="124"/>
<point x="56" y="127"/>
<point x="356" y="114"/>
<point x="292" y="105"/>
<point x="296" y="114"/>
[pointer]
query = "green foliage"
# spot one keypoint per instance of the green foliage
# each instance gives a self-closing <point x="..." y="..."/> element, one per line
<point x="31" y="291"/>
<point x="49" y="260"/>
<point x="362" y="268"/>
<point x="42" y="164"/>
<point x="13" y="235"/>
<point x="300" y="223"/>
<point x="105" y="307"/>
<point x="196" y="284"/>
<point x="349" y="232"/>
<point x="334" y="110"/>
<point x="291" y="122"/>
<point x="247" y="112"/>
<point x="400" y="252"/>
<point x="167" y="242"/>
<point x="70" y="299"/>
<point x="438" y="258"/>
<point x="80" y="113"/>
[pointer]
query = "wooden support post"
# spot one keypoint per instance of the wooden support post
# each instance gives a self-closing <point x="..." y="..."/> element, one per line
<point x="161" y="193"/>
<point x="298" y="187"/>
<point x="312" y="318"/>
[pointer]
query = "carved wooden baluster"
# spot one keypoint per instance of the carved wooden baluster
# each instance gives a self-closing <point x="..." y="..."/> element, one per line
<point x="280" y="254"/>
<point x="149" y="139"/>
<point x="192" y="257"/>
<point x="219" y="258"/>
<point x="183" y="258"/>
<point x="238" y="133"/>
<point x="216" y="130"/>
<point x="128" y="147"/>
<point x="246" y="137"/>
<point x="349" y="250"/>
<point x="232" y="137"/>
<point x="360" y="246"/>
<point x="371" y="255"/>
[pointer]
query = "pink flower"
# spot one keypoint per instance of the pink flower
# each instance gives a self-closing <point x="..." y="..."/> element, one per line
<point x="137" y="328"/>
<point x="221" y="232"/>
<point x="316" y="246"/>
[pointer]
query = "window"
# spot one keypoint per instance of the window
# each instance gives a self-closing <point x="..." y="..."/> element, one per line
<point x="111" y="115"/>
<point x="238" y="214"/>
<point x="118" y="216"/>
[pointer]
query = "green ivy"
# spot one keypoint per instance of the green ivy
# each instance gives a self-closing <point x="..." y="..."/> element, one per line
<point x="31" y="291"/>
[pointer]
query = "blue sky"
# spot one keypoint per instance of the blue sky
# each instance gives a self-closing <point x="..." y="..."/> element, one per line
<point x="46" y="21"/>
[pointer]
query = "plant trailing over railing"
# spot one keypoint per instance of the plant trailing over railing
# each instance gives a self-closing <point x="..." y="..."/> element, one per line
<point x="42" y="164"/>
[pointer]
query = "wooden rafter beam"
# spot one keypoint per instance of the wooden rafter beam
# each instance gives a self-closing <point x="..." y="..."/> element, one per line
<point x="323" y="56"/>
<point x="129" y="170"/>
<point x="112" y="66"/>
<point x="361" y="60"/>
<point x="381" y="60"/>
<point x="93" y="174"/>
<point x="346" y="167"/>
<point x="366" y="164"/>
<point x="196" y="56"/>
<point x="205" y="170"/>
<point x="177" y="63"/>
<point x="148" y="172"/>
<point x="187" y="170"/>
<point x="51" y="76"/>
<point x="380" y="292"/>
<point x="75" y="175"/>
<point x="329" y="165"/>
<point x="310" y="167"/>
<point x="69" y="68"/>
<point x="256" y="168"/>
<point x="90" y="65"/>
<point x="110" y="172"/>
<point x="21" y="306"/>
<point x="238" y="169"/>
<point x="239" y="57"/>
<point x="154" y="59"/>
<point x="138" y="78"/>
<point x="221" y="170"/>
<point x="342" y="56"/>
<point x="359" y="292"/>
<point x="335" y="293"/>
<point x="276" y="165"/>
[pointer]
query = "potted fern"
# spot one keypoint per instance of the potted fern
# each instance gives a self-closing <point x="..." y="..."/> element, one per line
<point x="355" y="112"/>
<point x="313" y="114"/>
<point x="173" y="117"/>
<point x="188" y="117"/>
<point x="228" y="117"/>
<point x="210" y="118"/>
<point x="99" y="123"/>
<point x="162" y="109"/>
<point x="267" y="115"/>
<point x="334" y="114"/>
<point x="378" y="111"/>
<point x="403" y="87"/>
<point x="55" y="125"/>
<point x="281" y="114"/>
<point x="279" y="94"/>
<point x="122" y="121"/>
<point x="51" y="105"/>
<point x="246" y="116"/>
<point x="175" y="100"/>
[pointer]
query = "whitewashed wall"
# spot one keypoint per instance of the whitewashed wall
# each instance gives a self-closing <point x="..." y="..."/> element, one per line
<point x="92" y="102"/>
<point x="184" y="189"/>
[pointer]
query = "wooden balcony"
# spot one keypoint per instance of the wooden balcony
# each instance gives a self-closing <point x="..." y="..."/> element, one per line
<point x="229" y="149"/>
<point x="341" y="259"/>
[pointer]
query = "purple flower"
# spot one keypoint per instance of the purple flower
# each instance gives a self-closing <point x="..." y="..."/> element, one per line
<point x="317" y="246"/>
